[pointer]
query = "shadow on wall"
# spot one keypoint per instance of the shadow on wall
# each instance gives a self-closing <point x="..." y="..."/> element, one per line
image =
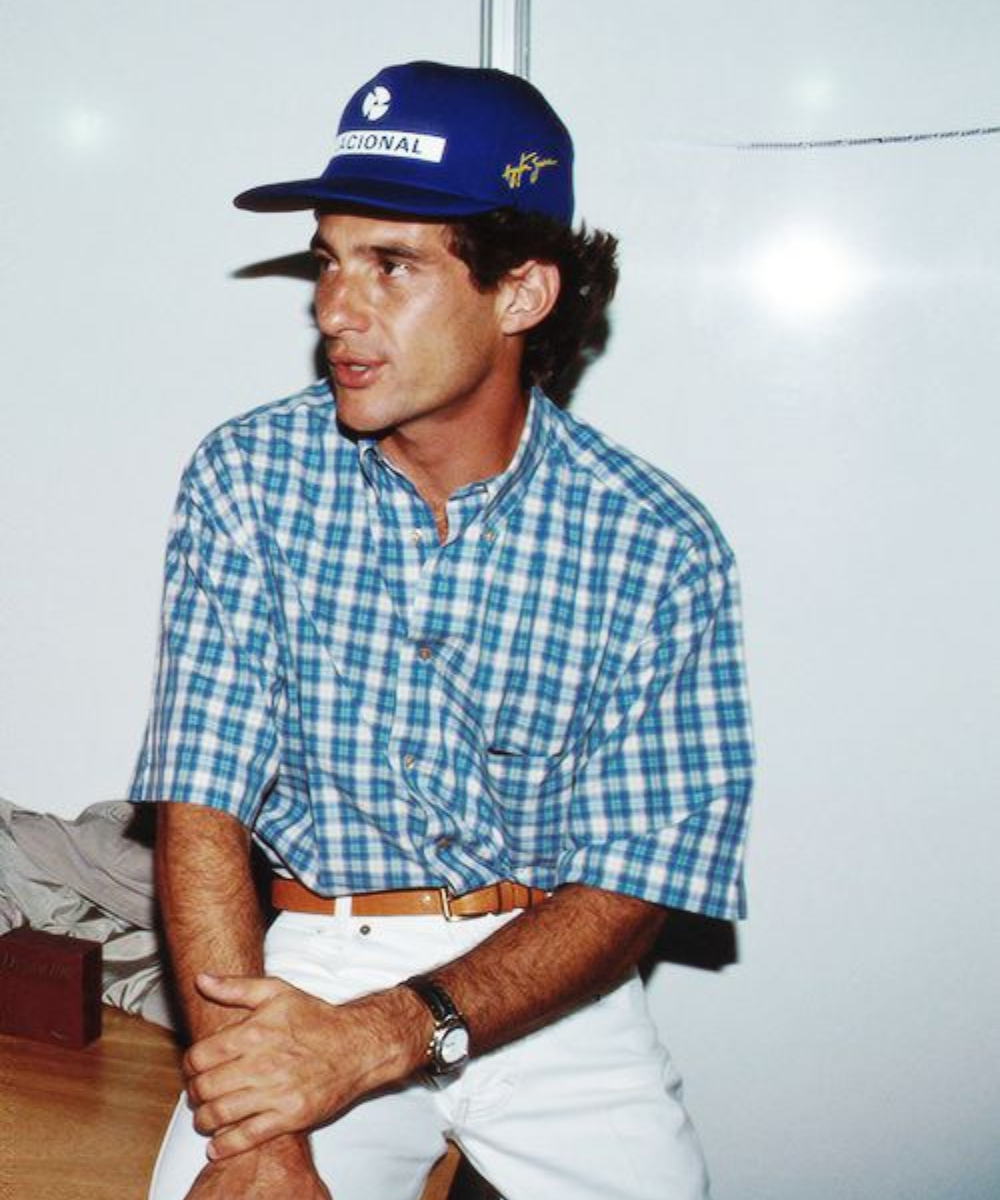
<point x="693" y="940"/>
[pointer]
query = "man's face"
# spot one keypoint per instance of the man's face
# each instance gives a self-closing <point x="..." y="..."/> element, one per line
<point x="413" y="347"/>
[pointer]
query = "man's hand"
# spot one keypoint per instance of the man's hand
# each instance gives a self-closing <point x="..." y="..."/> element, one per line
<point x="293" y="1062"/>
<point x="281" y="1169"/>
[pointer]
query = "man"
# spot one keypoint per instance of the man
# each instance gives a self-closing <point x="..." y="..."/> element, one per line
<point x="471" y="675"/>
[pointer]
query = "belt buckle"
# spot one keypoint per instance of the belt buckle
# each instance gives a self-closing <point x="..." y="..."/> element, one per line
<point x="445" y="895"/>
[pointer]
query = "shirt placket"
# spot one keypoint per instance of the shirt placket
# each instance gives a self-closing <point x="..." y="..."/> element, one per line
<point x="421" y="697"/>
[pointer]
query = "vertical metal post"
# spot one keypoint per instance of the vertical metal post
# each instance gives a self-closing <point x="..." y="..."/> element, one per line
<point x="505" y="35"/>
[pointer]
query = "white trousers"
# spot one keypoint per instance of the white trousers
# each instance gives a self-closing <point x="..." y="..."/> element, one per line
<point x="588" y="1108"/>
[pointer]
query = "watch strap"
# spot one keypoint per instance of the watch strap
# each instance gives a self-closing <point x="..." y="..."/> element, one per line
<point x="441" y="1005"/>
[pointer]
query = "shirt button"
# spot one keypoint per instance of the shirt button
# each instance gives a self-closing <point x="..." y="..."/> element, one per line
<point x="408" y="761"/>
<point x="443" y="843"/>
<point x="416" y="537"/>
<point x="424" y="653"/>
<point x="489" y="535"/>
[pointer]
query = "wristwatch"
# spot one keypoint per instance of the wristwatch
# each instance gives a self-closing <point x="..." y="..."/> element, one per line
<point x="448" y="1049"/>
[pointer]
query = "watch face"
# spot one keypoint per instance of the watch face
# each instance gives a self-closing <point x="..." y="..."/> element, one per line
<point x="454" y="1046"/>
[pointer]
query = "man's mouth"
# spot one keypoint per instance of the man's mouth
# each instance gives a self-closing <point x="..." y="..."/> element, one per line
<point x="353" y="372"/>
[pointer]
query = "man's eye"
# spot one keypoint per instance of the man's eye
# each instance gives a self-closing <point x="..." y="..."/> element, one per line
<point x="324" y="266"/>
<point x="393" y="267"/>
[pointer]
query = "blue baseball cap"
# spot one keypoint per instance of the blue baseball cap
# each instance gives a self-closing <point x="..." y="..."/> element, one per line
<point x="428" y="140"/>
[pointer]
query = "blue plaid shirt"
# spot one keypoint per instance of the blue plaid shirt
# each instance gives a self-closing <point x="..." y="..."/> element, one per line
<point x="556" y="694"/>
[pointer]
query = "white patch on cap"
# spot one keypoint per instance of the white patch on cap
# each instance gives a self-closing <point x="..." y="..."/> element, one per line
<point x="391" y="143"/>
<point x="376" y="104"/>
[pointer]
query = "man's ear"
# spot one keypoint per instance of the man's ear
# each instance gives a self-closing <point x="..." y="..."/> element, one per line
<point x="527" y="295"/>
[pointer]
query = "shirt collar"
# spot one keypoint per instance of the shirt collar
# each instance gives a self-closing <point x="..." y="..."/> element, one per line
<point x="506" y="489"/>
<point x="497" y="494"/>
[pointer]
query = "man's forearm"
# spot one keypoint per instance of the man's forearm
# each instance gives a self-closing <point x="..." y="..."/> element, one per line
<point x="578" y="943"/>
<point x="208" y="905"/>
<point x="212" y="920"/>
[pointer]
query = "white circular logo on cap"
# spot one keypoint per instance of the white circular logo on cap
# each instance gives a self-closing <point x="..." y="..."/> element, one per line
<point x="376" y="104"/>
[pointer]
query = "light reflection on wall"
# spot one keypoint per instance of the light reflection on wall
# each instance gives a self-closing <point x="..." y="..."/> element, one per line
<point x="85" y="131"/>
<point x="806" y="275"/>
<point x="815" y="91"/>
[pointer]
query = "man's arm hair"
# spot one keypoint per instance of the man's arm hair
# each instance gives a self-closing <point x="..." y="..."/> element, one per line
<point x="208" y="905"/>
<point x="212" y="920"/>
<point x="579" y="943"/>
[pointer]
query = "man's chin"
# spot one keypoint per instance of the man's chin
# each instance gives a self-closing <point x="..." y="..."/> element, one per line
<point x="357" y="419"/>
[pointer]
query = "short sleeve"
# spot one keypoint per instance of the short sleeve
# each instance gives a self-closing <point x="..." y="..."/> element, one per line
<point x="659" y="804"/>
<point x="212" y="736"/>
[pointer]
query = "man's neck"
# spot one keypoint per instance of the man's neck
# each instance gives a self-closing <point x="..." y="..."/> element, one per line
<point x="456" y="453"/>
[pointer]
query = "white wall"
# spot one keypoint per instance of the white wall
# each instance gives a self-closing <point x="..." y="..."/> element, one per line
<point x="809" y="339"/>
<point x="836" y="413"/>
<point x="127" y="129"/>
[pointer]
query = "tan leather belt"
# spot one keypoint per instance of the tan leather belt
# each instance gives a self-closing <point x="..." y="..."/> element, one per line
<point x="290" y="896"/>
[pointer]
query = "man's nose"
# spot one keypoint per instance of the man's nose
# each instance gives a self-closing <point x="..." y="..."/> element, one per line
<point x="340" y="304"/>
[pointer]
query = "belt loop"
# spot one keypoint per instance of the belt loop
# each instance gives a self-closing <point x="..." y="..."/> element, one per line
<point x="445" y="895"/>
<point x="342" y="906"/>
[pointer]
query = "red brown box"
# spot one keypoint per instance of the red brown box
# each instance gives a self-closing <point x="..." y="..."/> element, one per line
<point x="50" y="987"/>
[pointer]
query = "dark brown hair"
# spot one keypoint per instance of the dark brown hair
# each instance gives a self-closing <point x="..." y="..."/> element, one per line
<point x="556" y="351"/>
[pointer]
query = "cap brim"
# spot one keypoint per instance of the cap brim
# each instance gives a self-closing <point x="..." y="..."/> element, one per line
<point x="299" y="194"/>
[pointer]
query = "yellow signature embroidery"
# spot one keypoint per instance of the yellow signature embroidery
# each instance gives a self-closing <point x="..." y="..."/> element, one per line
<point x="514" y="176"/>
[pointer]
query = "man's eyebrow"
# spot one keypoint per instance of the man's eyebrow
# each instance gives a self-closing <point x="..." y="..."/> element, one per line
<point x="395" y="250"/>
<point x="375" y="249"/>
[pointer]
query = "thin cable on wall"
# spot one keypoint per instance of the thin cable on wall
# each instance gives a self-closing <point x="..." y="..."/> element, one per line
<point x="845" y="143"/>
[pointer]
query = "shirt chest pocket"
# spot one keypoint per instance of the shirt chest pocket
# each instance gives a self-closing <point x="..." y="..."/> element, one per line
<point x="529" y="742"/>
<point x="537" y="714"/>
<point x="531" y="793"/>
